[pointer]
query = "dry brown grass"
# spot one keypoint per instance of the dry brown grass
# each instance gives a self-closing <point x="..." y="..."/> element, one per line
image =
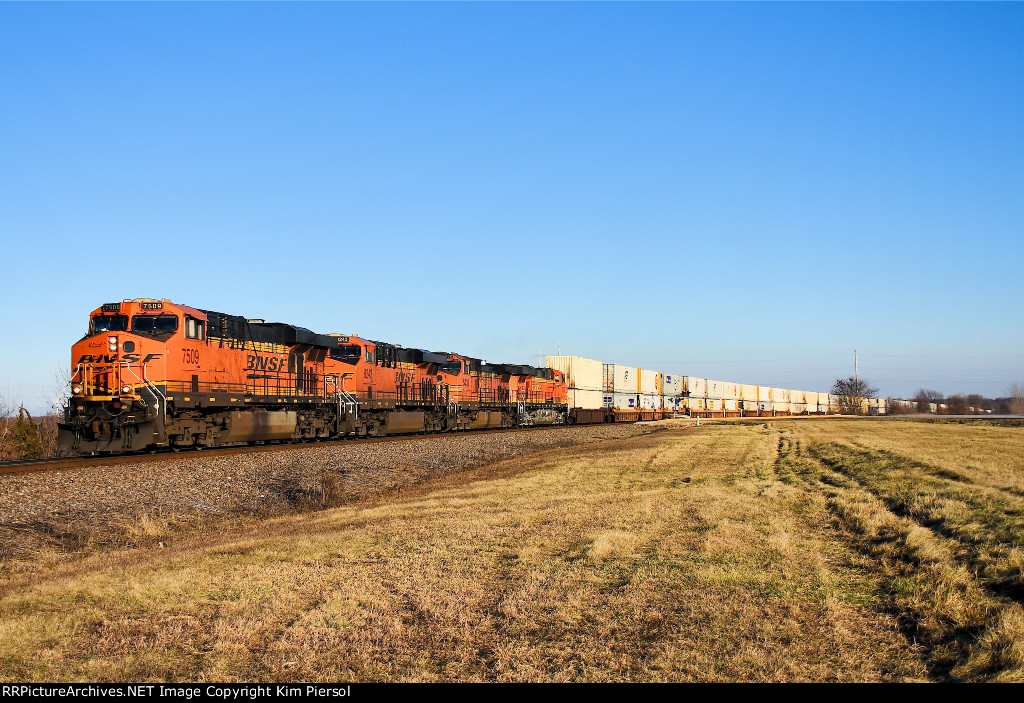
<point x="752" y="552"/>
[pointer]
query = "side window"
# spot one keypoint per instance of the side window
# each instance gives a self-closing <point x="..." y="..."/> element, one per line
<point x="369" y="356"/>
<point x="195" y="329"/>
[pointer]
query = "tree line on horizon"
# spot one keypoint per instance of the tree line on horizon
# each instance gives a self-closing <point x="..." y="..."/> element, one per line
<point x="853" y="391"/>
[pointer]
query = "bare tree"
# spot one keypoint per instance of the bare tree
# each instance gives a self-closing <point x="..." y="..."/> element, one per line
<point x="56" y="399"/>
<point x="852" y="392"/>
<point x="957" y="404"/>
<point x="1016" y="392"/>
<point x="897" y="406"/>
<point x="976" y="401"/>
<point x="925" y="397"/>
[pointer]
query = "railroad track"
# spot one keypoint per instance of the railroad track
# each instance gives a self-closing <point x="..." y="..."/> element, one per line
<point x="25" y="466"/>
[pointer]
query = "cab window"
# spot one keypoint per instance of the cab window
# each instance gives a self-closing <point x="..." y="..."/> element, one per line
<point x="453" y="367"/>
<point x="108" y="323"/>
<point x="348" y="353"/>
<point x="155" y="325"/>
<point x="195" y="329"/>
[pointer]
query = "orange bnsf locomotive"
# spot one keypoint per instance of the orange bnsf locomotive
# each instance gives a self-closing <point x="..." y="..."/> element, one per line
<point x="151" y="374"/>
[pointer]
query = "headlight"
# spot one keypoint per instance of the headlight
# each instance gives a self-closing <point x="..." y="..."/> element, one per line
<point x="76" y="389"/>
<point x="112" y="343"/>
<point x="126" y="389"/>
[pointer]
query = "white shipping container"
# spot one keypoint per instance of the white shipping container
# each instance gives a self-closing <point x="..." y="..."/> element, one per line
<point x="713" y="404"/>
<point x="730" y="404"/>
<point x="673" y="403"/>
<point x="671" y="384"/>
<point x="579" y="372"/>
<point x="764" y="406"/>
<point x="650" y="401"/>
<point x="716" y="389"/>
<point x="695" y="387"/>
<point x="625" y="379"/>
<point x="591" y="400"/>
<point x="811" y="398"/>
<point x="622" y="401"/>
<point x="695" y="403"/>
<point x="764" y="393"/>
<point x="779" y="395"/>
<point x="796" y="397"/>
<point x="748" y="392"/>
<point x="797" y="408"/>
<point x="730" y="391"/>
<point x="649" y="381"/>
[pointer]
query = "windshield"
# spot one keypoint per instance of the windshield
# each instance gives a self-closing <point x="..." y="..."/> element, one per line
<point x="348" y="353"/>
<point x="154" y="325"/>
<point x="453" y="367"/>
<point x="108" y="323"/>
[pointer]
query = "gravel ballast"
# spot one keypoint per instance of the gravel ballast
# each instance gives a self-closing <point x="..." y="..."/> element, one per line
<point x="129" y="503"/>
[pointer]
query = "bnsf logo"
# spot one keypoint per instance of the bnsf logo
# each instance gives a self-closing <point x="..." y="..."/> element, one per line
<point x="255" y="362"/>
<point x="114" y="358"/>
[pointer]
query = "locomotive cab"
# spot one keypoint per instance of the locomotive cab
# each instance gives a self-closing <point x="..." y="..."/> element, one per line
<point x="119" y="372"/>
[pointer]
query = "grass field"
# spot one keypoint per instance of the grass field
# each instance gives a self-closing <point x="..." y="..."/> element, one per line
<point x="801" y="550"/>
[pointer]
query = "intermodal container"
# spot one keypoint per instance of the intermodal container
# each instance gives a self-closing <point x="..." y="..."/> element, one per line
<point x="650" y="381"/>
<point x="582" y="373"/>
<point x="671" y="384"/>
<point x="748" y="392"/>
<point x="730" y="391"/>
<point x="587" y="399"/>
<point x="650" y="401"/>
<point x="623" y="379"/>
<point x="622" y="401"/>
<point x="695" y="387"/>
<point x="714" y="389"/>
<point x="779" y="395"/>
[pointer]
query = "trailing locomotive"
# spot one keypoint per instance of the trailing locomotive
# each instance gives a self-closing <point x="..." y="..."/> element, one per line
<point x="151" y="374"/>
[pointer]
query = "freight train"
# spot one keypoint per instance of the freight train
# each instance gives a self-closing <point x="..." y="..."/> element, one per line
<point x="153" y="374"/>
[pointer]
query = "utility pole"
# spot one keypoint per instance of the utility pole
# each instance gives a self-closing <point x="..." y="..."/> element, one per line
<point x="856" y="369"/>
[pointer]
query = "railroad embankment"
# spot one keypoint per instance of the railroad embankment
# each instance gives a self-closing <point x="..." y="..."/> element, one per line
<point x="147" y="502"/>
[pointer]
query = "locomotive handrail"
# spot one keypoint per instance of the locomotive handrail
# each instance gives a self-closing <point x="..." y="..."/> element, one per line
<point x="152" y="387"/>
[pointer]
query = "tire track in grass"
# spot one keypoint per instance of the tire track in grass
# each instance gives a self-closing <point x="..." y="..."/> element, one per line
<point x="970" y="632"/>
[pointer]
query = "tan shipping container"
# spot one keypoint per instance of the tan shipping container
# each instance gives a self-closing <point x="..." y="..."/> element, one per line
<point x="580" y="372"/>
<point x="748" y="392"/>
<point x="587" y="399"/>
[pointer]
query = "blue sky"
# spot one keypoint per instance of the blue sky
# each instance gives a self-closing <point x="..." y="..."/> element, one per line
<point x="737" y="191"/>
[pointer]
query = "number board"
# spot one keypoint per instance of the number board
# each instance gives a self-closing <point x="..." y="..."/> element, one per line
<point x="111" y="307"/>
<point x="152" y="306"/>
